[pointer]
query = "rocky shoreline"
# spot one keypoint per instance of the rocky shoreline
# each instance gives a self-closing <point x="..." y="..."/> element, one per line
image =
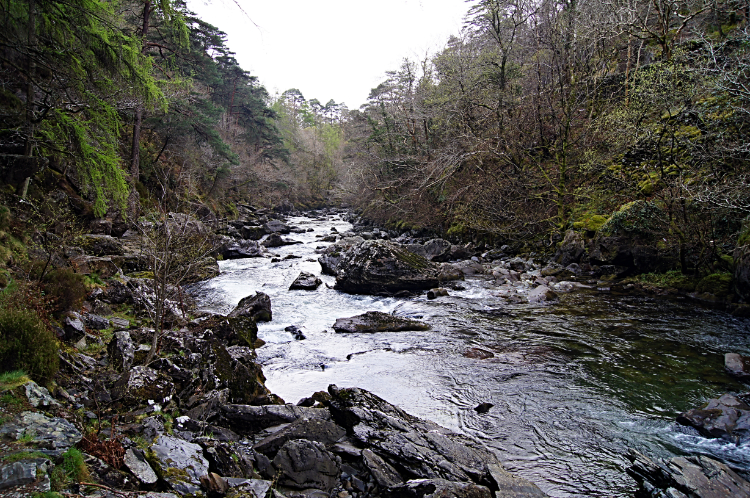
<point x="199" y="421"/>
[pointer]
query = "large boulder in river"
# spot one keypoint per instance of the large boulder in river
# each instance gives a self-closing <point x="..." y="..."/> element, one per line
<point x="332" y="255"/>
<point x="241" y="249"/>
<point x="382" y="267"/>
<point x="571" y="248"/>
<point x="737" y="366"/>
<point x="727" y="418"/>
<point x="438" y="250"/>
<point x="376" y="321"/>
<point x="305" y="281"/>
<point x="257" y="307"/>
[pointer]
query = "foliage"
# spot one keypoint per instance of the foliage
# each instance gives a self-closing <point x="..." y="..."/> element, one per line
<point x="65" y="289"/>
<point x="672" y="279"/>
<point x="23" y="455"/>
<point x="13" y="379"/>
<point x="72" y="469"/>
<point x="26" y="342"/>
<point x="718" y="284"/>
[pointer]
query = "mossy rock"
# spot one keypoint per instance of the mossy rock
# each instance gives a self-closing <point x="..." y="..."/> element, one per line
<point x="642" y="218"/>
<point x="718" y="284"/>
<point x="590" y="223"/>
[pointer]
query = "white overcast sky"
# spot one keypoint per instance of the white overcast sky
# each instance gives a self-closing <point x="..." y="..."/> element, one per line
<point x="331" y="49"/>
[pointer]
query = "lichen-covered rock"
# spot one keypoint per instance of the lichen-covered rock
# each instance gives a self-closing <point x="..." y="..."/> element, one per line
<point x="438" y="250"/>
<point x="376" y="321"/>
<point x="245" y="419"/>
<point x="275" y="226"/>
<point x="257" y="307"/>
<point x="241" y="249"/>
<point x="236" y="368"/>
<point x="101" y="245"/>
<point x="136" y="463"/>
<point x="305" y="281"/>
<point x="571" y="248"/>
<point x="439" y="488"/>
<point x="53" y="433"/>
<point x="382" y="267"/>
<point x="103" y="266"/>
<point x="39" y="396"/>
<point x="332" y="255"/>
<point x="140" y="384"/>
<point x="179" y="463"/>
<point x="304" y="464"/>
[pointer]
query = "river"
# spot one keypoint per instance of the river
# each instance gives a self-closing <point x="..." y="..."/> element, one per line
<point x="574" y="384"/>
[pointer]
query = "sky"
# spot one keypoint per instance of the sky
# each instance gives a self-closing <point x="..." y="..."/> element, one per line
<point x="331" y="49"/>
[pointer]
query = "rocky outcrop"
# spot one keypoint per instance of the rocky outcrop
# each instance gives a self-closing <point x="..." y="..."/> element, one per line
<point x="257" y="307"/>
<point x="382" y="267"/>
<point x="692" y="476"/>
<point x="54" y="434"/>
<point x="304" y="464"/>
<point x="727" y="417"/>
<point x="737" y="366"/>
<point x="376" y="321"/>
<point x="180" y="463"/>
<point x="571" y="248"/>
<point x="332" y="255"/>
<point x="143" y="383"/>
<point x="237" y="249"/>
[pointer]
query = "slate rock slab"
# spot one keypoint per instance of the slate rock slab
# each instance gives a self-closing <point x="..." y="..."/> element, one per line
<point x="140" y="384"/>
<point x="727" y="417"/>
<point x="246" y="419"/>
<point x="137" y="464"/>
<point x="304" y="464"/>
<point x="439" y="488"/>
<point x="319" y="430"/>
<point x="376" y="321"/>
<point x="180" y="462"/>
<point x="52" y="433"/>
<point x="256" y="306"/>
<point x="305" y="281"/>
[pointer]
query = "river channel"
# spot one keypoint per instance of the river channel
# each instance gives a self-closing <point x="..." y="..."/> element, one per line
<point x="574" y="384"/>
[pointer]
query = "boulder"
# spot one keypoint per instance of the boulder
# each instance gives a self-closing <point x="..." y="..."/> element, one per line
<point x="278" y="227"/>
<point x="383" y="473"/>
<point x="727" y="417"/>
<point x="39" y="396"/>
<point x="180" y="463"/>
<point x="241" y="249"/>
<point x="245" y="419"/>
<point x="74" y="328"/>
<point x="236" y="368"/>
<point x="541" y="294"/>
<point x="304" y="464"/>
<point x="121" y="351"/>
<point x="252" y="232"/>
<point x="419" y="448"/>
<point x="741" y="257"/>
<point x="95" y="322"/>
<point x="231" y="330"/>
<point x="439" y="488"/>
<point x="319" y="430"/>
<point x="24" y="473"/>
<point x="296" y="332"/>
<point x="101" y="245"/>
<point x="276" y="240"/>
<point x="692" y="476"/>
<point x="437" y="292"/>
<point x="376" y="321"/>
<point x="737" y="366"/>
<point x="332" y="255"/>
<point x="257" y="307"/>
<point x="52" y="433"/>
<point x="104" y="267"/>
<point x="139" y="467"/>
<point x="382" y="267"/>
<point x="571" y="249"/>
<point x="140" y="384"/>
<point x="437" y="250"/>
<point x="305" y="281"/>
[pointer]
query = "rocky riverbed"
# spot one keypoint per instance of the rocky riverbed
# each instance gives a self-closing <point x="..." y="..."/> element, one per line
<point x="449" y="322"/>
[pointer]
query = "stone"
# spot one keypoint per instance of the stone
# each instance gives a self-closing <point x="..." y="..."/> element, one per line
<point x="39" y="396"/>
<point x="103" y="266"/>
<point x="541" y="294"/>
<point x="245" y="419"/>
<point x="236" y="368"/>
<point x="215" y="484"/>
<point x="571" y="249"/>
<point x="74" y="328"/>
<point x="139" y="467"/>
<point x="257" y="488"/>
<point x="383" y="267"/>
<point x="120" y="323"/>
<point x="692" y="476"/>
<point x="180" y="463"/>
<point x="737" y="366"/>
<point x="140" y="384"/>
<point x="242" y="249"/>
<point x="438" y="250"/>
<point x="252" y="232"/>
<point x="383" y="473"/>
<point x="320" y="430"/>
<point x="305" y="281"/>
<point x="376" y="321"/>
<point x="334" y="254"/>
<point x="53" y="433"/>
<point x="727" y="417"/>
<point x="257" y="307"/>
<point x="741" y="275"/>
<point x="296" y="332"/>
<point x="276" y="240"/>
<point x="304" y="464"/>
<point x="17" y="474"/>
<point x="483" y="407"/>
<point x="478" y="354"/>
<point x="275" y="226"/>
<point x="436" y="292"/>
<point x="101" y="245"/>
<point x="440" y="488"/>
<point x="95" y="322"/>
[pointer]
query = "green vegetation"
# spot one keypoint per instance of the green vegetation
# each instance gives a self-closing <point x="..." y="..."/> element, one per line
<point x="672" y="279"/>
<point x="13" y="379"/>
<point x="26" y="343"/>
<point x="23" y="455"/>
<point x="71" y="469"/>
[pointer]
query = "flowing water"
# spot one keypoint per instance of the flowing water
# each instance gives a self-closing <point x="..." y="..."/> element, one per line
<point x="574" y="384"/>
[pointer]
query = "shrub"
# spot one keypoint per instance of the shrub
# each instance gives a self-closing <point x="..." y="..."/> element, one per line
<point x="71" y="469"/>
<point x="27" y="344"/>
<point x="65" y="289"/>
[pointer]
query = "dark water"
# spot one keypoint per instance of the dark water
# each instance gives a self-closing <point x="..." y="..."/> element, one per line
<point x="574" y="384"/>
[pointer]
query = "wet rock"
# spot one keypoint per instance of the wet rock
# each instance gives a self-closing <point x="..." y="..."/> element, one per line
<point x="478" y="354"/>
<point x="276" y="240"/>
<point x="305" y="281"/>
<point x="306" y="464"/>
<point x="257" y="307"/>
<point x="439" y="488"/>
<point x="692" y="476"/>
<point x="242" y="249"/>
<point x="420" y="448"/>
<point x="235" y="366"/>
<point x="541" y="294"/>
<point x="252" y="232"/>
<point x="245" y="419"/>
<point x="139" y="467"/>
<point x="382" y="267"/>
<point x="296" y="332"/>
<point x="278" y="227"/>
<point x="737" y="366"/>
<point x="483" y="407"/>
<point x="436" y="292"/>
<point x="571" y="249"/>
<point x="376" y="321"/>
<point x="140" y="384"/>
<point x="55" y="434"/>
<point x="180" y="463"/>
<point x="727" y="417"/>
<point x="320" y="430"/>
<point x="383" y="473"/>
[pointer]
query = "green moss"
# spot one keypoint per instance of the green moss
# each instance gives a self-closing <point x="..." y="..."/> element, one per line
<point x="672" y="279"/>
<point x="718" y="284"/>
<point x="23" y="455"/>
<point x="27" y="344"/>
<point x="412" y="260"/>
<point x="635" y="218"/>
<point x="590" y="222"/>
